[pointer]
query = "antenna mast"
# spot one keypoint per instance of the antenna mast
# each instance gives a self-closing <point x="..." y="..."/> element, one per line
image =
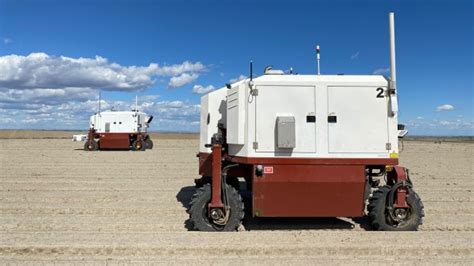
<point x="136" y="104"/>
<point x="99" y="101"/>
<point x="251" y="70"/>
<point x="393" y="67"/>
<point x="318" y="58"/>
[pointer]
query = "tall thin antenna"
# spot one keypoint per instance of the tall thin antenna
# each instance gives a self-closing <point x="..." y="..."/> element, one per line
<point x="318" y="58"/>
<point x="393" y="67"/>
<point x="136" y="104"/>
<point x="99" y="101"/>
<point x="251" y="70"/>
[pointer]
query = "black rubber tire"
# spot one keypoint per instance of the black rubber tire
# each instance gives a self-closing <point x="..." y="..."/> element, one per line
<point x="234" y="182"/>
<point x="148" y="144"/>
<point x="198" y="210"/>
<point x="92" y="146"/>
<point x="202" y="181"/>
<point x="138" y="145"/>
<point x="380" y="219"/>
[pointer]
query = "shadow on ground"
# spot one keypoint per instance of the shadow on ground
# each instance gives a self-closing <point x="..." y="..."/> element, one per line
<point x="184" y="196"/>
<point x="106" y="150"/>
<point x="253" y="223"/>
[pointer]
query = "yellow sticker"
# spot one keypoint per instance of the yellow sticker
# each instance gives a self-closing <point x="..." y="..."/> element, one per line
<point x="393" y="155"/>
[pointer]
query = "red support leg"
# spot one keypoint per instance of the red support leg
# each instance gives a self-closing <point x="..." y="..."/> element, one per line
<point x="90" y="136"/>
<point x="216" y="200"/>
<point x="399" y="174"/>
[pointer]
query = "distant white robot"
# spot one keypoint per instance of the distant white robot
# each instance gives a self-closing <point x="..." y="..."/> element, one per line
<point x="111" y="130"/>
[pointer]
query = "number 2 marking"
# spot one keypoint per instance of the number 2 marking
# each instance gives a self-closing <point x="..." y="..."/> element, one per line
<point x="380" y="93"/>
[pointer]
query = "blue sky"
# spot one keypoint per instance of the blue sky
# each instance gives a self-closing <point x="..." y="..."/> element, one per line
<point x="67" y="50"/>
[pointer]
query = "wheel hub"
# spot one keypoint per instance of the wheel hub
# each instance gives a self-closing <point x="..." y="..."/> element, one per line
<point x="216" y="214"/>
<point x="400" y="214"/>
<point x="220" y="216"/>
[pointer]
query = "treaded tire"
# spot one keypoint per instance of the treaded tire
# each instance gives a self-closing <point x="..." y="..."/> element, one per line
<point x="148" y="144"/>
<point x="198" y="210"/>
<point x="234" y="182"/>
<point x="380" y="219"/>
<point x="138" y="145"/>
<point x="92" y="146"/>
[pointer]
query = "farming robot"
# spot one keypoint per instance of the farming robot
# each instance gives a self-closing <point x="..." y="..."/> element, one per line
<point x="306" y="146"/>
<point x="113" y="130"/>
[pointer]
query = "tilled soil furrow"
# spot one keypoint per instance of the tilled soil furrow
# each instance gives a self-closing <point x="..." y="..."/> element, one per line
<point x="61" y="205"/>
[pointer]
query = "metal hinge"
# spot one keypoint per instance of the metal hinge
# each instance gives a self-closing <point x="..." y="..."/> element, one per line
<point x="254" y="92"/>
<point x="388" y="146"/>
<point x="255" y="145"/>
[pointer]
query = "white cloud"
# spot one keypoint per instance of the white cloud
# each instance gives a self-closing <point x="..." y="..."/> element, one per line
<point x="445" y="107"/>
<point x="45" y="96"/>
<point x="148" y="98"/>
<point x="445" y="127"/>
<point x="181" y="80"/>
<point x="381" y="71"/>
<point x="355" y="56"/>
<point x="177" y="69"/>
<point x="50" y="92"/>
<point x="40" y="70"/>
<point x="169" y="115"/>
<point x="7" y="40"/>
<point x="239" y="78"/>
<point x="199" y="89"/>
<point x="30" y="121"/>
<point x="6" y="120"/>
<point x="420" y="118"/>
<point x="171" y="104"/>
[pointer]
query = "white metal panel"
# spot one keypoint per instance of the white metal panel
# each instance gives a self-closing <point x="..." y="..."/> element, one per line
<point x="362" y="117"/>
<point x="213" y="112"/>
<point x="204" y="124"/>
<point x="120" y="122"/>
<point x="286" y="96"/>
<point x="236" y="115"/>
<point x="274" y="101"/>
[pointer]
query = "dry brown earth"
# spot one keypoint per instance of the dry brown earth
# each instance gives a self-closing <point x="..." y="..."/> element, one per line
<point x="59" y="204"/>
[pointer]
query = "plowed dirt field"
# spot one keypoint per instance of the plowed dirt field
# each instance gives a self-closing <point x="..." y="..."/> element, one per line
<point x="62" y="205"/>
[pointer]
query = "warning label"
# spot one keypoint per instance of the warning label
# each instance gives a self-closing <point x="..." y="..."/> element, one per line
<point x="268" y="170"/>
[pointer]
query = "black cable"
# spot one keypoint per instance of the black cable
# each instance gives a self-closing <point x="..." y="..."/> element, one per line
<point x="224" y="182"/>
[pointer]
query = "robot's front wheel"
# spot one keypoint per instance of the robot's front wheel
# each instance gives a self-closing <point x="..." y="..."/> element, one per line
<point x="227" y="219"/>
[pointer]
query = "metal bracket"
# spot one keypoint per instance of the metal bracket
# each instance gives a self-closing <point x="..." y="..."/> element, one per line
<point x="388" y="146"/>
<point x="255" y="145"/>
<point x="392" y="87"/>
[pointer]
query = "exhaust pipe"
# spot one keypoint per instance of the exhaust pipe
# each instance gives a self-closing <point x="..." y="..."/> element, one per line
<point x="393" y="67"/>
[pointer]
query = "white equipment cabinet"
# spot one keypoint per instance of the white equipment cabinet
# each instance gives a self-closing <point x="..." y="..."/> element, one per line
<point x="119" y="122"/>
<point x="334" y="116"/>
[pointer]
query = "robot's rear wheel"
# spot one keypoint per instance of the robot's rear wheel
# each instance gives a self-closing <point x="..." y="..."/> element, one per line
<point x="138" y="145"/>
<point x="148" y="143"/>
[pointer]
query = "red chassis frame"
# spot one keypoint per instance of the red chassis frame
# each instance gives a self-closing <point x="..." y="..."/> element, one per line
<point x="301" y="187"/>
<point x="114" y="140"/>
